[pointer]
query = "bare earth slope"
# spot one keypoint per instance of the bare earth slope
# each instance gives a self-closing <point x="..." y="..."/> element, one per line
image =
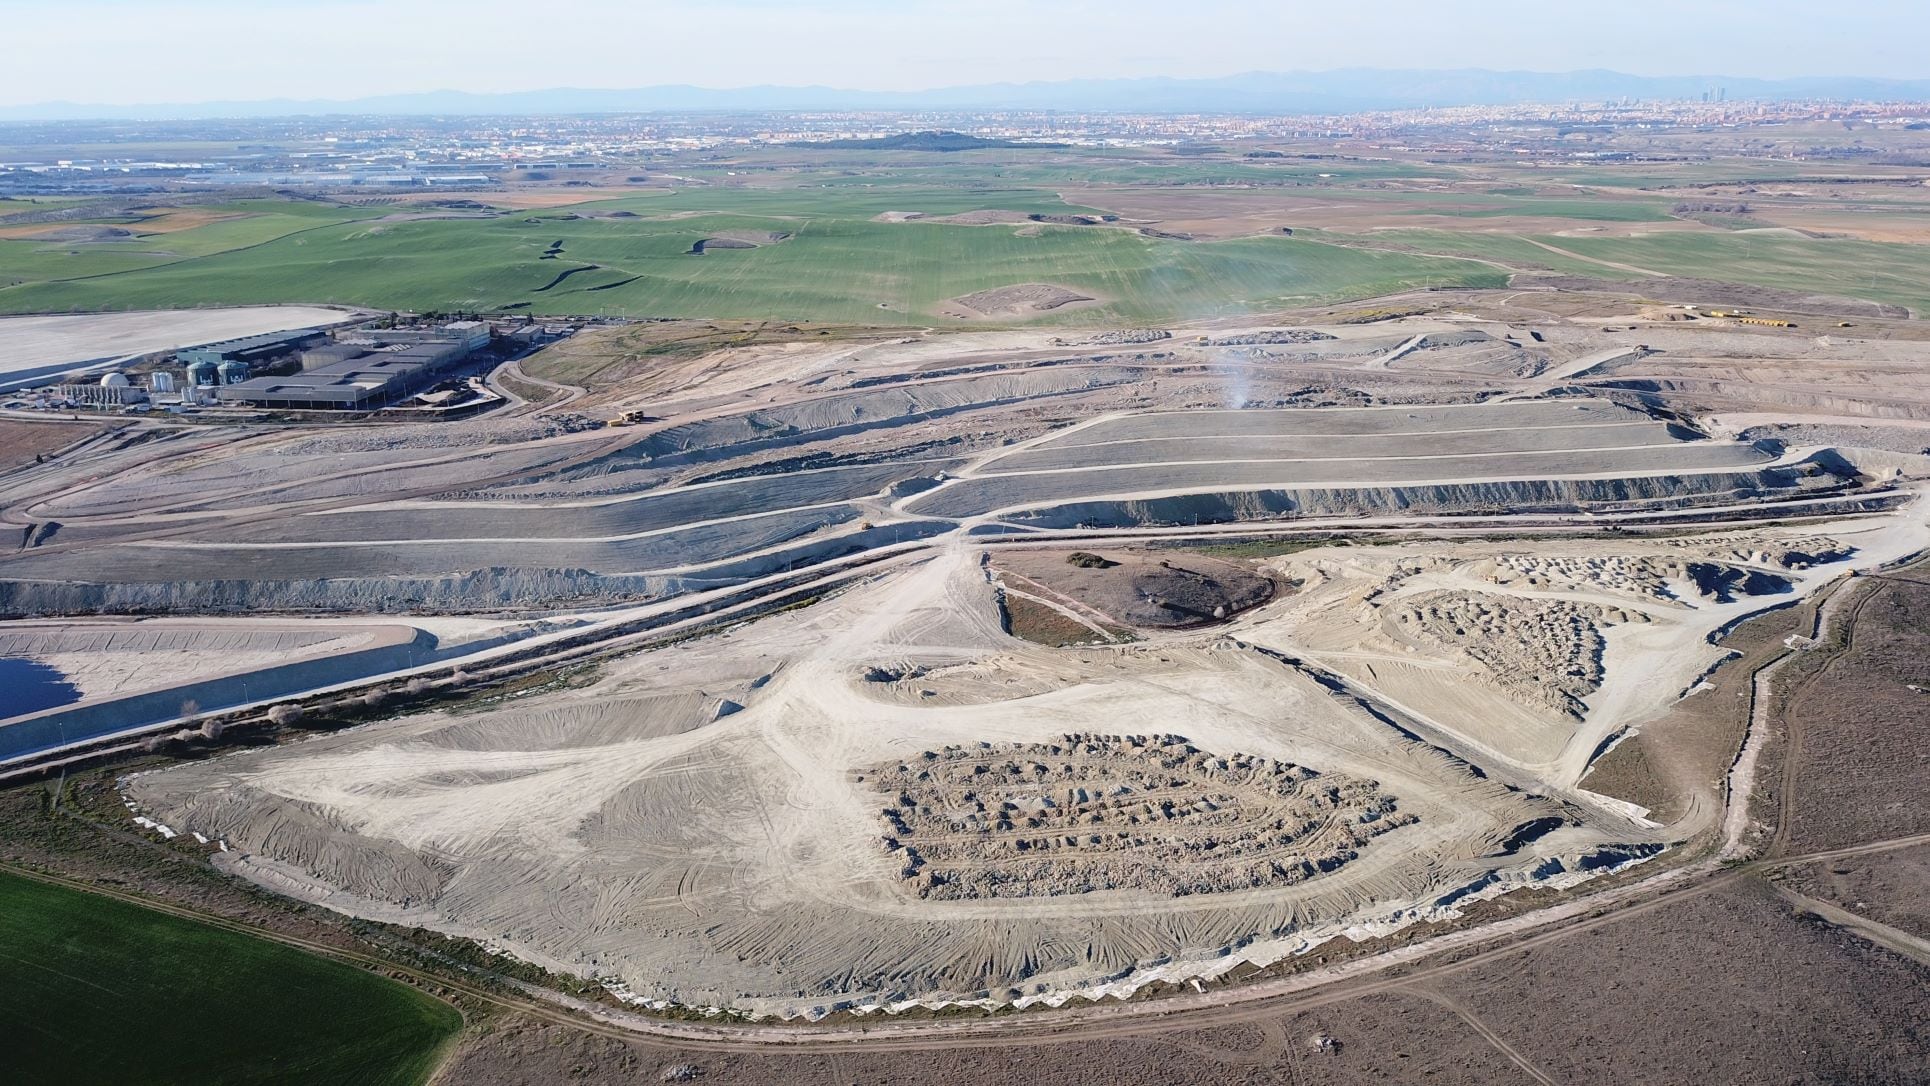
<point x="1484" y="559"/>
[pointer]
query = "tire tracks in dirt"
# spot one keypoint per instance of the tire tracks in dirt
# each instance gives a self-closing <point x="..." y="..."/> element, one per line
<point x="1246" y="1003"/>
<point x="1466" y="1014"/>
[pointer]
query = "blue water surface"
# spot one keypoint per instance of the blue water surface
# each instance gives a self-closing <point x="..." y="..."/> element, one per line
<point x="28" y="686"/>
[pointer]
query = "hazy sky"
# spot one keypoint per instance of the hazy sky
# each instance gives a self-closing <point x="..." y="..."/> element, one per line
<point x="157" y="51"/>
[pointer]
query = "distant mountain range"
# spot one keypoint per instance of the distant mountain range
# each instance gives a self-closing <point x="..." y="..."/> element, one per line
<point x="1344" y="90"/>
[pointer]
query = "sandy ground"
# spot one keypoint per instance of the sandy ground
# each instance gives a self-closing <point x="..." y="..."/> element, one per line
<point x="21" y="440"/>
<point x="1522" y="689"/>
<point x="106" y="660"/>
<point x="1859" y="723"/>
<point x="1775" y="996"/>
<point x="794" y="853"/>
<point x="1778" y="992"/>
<point x="696" y="825"/>
<point x="477" y="824"/>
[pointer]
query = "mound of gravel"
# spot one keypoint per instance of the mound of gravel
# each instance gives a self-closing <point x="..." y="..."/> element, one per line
<point x="1139" y="590"/>
<point x="1272" y="335"/>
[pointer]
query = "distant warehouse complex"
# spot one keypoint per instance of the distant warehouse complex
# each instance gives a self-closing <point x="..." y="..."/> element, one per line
<point x="366" y="370"/>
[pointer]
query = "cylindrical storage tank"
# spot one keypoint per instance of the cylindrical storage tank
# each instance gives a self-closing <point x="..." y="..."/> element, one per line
<point x="202" y="374"/>
<point x="160" y="381"/>
<point x="232" y="372"/>
<point x="114" y="380"/>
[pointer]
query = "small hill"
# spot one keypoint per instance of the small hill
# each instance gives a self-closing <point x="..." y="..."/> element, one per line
<point x="923" y="141"/>
<point x="1135" y="589"/>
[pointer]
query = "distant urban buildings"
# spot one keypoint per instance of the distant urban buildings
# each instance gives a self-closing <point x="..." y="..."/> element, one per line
<point x="412" y="154"/>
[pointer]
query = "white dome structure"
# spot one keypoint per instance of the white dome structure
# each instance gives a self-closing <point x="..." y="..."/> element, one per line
<point x="114" y="380"/>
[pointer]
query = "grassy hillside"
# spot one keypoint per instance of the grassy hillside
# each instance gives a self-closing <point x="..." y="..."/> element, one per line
<point x="94" y="990"/>
<point x="1879" y="271"/>
<point x="1359" y="229"/>
<point x="837" y="264"/>
<point x="54" y="252"/>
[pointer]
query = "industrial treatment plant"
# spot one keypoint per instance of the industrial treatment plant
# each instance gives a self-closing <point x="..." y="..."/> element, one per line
<point x="357" y="368"/>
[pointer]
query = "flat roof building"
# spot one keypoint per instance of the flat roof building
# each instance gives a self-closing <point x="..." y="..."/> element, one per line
<point x="369" y="383"/>
<point x="249" y="350"/>
<point x="473" y="335"/>
<point x="375" y="378"/>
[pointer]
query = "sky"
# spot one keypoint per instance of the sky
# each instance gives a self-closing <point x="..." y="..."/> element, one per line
<point x="169" y="51"/>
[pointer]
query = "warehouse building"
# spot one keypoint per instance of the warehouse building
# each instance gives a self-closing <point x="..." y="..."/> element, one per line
<point x="367" y="383"/>
<point x="251" y="350"/>
<point x="373" y="377"/>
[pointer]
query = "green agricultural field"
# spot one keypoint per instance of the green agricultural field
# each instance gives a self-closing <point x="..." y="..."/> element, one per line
<point x="1180" y="170"/>
<point x="15" y="205"/>
<point x="28" y="261"/>
<point x="1879" y="271"/>
<point x="841" y="262"/>
<point x="98" y="991"/>
<point x="832" y="197"/>
<point x="837" y="264"/>
<point x="1620" y="210"/>
<point x="1649" y="175"/>
<point x="1507" y="250"/>
<point x="155" y="243"/>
